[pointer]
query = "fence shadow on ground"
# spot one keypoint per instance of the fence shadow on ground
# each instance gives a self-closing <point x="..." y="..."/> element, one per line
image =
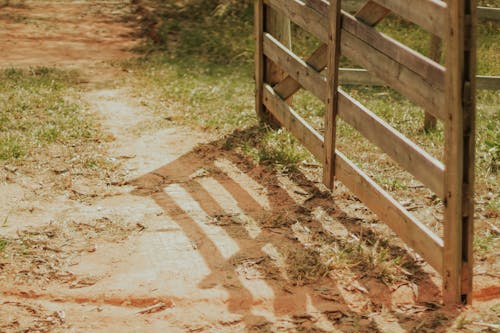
<point x="247" y="227"/>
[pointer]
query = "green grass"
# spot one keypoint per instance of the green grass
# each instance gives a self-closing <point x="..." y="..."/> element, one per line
<point x="201" y="75"/>
<point x="39" y="107"/>
<point x="3" y="244"/>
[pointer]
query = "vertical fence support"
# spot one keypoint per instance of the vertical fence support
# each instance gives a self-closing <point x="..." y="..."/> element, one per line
<point x="459" y="152"/>
<point x="430" y="121"/>
<point x="268" y="20"/>
<point x="259" y="58"/>
<point x="332" y="90"/>
<point x="278" y="25"/>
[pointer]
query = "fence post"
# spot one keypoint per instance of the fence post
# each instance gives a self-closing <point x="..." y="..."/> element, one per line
<point x="459" y="152"/>
<point x="268" y="20"/>
<point x="259" y="58"/>
<point x="435" y="54"/>
<point x="332" y="90"/>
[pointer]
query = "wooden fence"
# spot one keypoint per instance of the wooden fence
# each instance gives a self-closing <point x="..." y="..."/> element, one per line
<point x="447" y="92"/>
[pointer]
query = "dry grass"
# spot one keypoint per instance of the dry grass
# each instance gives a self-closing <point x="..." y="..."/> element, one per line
<point x="42" y="255"/>
<point x="193" y="87"/>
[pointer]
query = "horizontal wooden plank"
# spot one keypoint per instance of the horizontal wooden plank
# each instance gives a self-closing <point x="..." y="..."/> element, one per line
<point x="417" y="235"/>
<point x="414" y="233"/>
<point x="429" y="14"/>
<point x="488" y="82"/>
<point x="358" y="77"/>
<point x="423" y="166"/>
<point x="347" y="5"/>
<point x="298" y="69"/>
<point x="320" y="6"/>
<point x="410" y="156"/>
<point x="488" y="13"/>
<point x="397" y="76"/>
<point x="304" y="16"/>
<point x="293" y="122"/>
<point x="431" y="71"/>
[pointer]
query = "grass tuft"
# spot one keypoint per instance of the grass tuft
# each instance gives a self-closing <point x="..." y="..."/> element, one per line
<point x="39" y="107"/>
<point x="3" y="244"/>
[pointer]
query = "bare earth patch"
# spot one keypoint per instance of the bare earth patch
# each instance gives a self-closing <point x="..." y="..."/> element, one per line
<point x="175" y="232"/>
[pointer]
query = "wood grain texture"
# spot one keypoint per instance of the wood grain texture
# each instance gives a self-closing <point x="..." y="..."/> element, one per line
<point x="259" y="58"/>
<point x="488" y="13"/>
<point x="298" y="70"/>
<point x="424" y="167"/>
<point x="435" y="46"/>
<point x="459" y="153"/>
<point x="372" y="13"/>
<point x="429" y="14"/>
<point x="304" y="16"/>
<point x="397" y="75"/>
<point x="332" y="96"/>
<point x="404" y="224"/>
<point x="410" y="156"/>
<point x="414" y="233"/>
<point x="488" y="82"/>
<point x="290" y="86"/>
<point x="429" y="69"/>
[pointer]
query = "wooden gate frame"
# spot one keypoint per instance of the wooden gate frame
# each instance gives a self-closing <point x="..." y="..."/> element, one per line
<point x="448" y="93"/>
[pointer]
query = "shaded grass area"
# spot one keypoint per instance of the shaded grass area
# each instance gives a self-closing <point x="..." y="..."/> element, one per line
<point x="199" y="73"/>
<point x="213" y="98"/>
<point x="39" y="107"/>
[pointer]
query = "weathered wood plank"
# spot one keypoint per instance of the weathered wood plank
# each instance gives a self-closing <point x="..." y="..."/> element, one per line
<point x="332" y="97"/>
<point x="372" y="13"/>
<point x="347" y="5"/>
<point x="304" y="16"/>
<point x="435" y="46"/>
<point x="396" y="75"/>
<point x="488" y="13"/>
<point x="296" y="68"/>
<point x="358" y="77"/>
<point x="423" y="166"/>
<point x="429" y="14"/>
<point x="289" y="85"/>
<point x="410" y="156"/>
<point x="320" y="6"/>
<point x="292" y="121"/>
<point x="488" y="82"/>
<point x="469" y="138"/>
<point x="459" y="153"/>
<point x="278" y="25"/>
<point x="431" y="71"/>
<point x="414" y="233"/>
<point x="404" y="224"/>
<point x="259" y="58"/>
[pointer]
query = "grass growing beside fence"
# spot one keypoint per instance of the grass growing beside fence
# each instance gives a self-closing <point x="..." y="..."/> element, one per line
<point x="201" y="75"/>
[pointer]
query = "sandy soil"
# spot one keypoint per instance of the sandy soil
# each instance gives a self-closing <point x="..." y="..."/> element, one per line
<point x="189" y="238"/>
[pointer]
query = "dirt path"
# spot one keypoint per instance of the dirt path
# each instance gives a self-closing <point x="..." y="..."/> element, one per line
<point x="191" y="237"/>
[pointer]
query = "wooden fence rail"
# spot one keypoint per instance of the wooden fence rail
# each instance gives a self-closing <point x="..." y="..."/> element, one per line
<point x="447" y="92"/>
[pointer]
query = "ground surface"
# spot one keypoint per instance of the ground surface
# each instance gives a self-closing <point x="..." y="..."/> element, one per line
<point x="182" y="236"/>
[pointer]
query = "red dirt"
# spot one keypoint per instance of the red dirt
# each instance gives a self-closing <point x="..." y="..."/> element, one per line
<point x="189" y="241"/>
<point x="64" y="33"/>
